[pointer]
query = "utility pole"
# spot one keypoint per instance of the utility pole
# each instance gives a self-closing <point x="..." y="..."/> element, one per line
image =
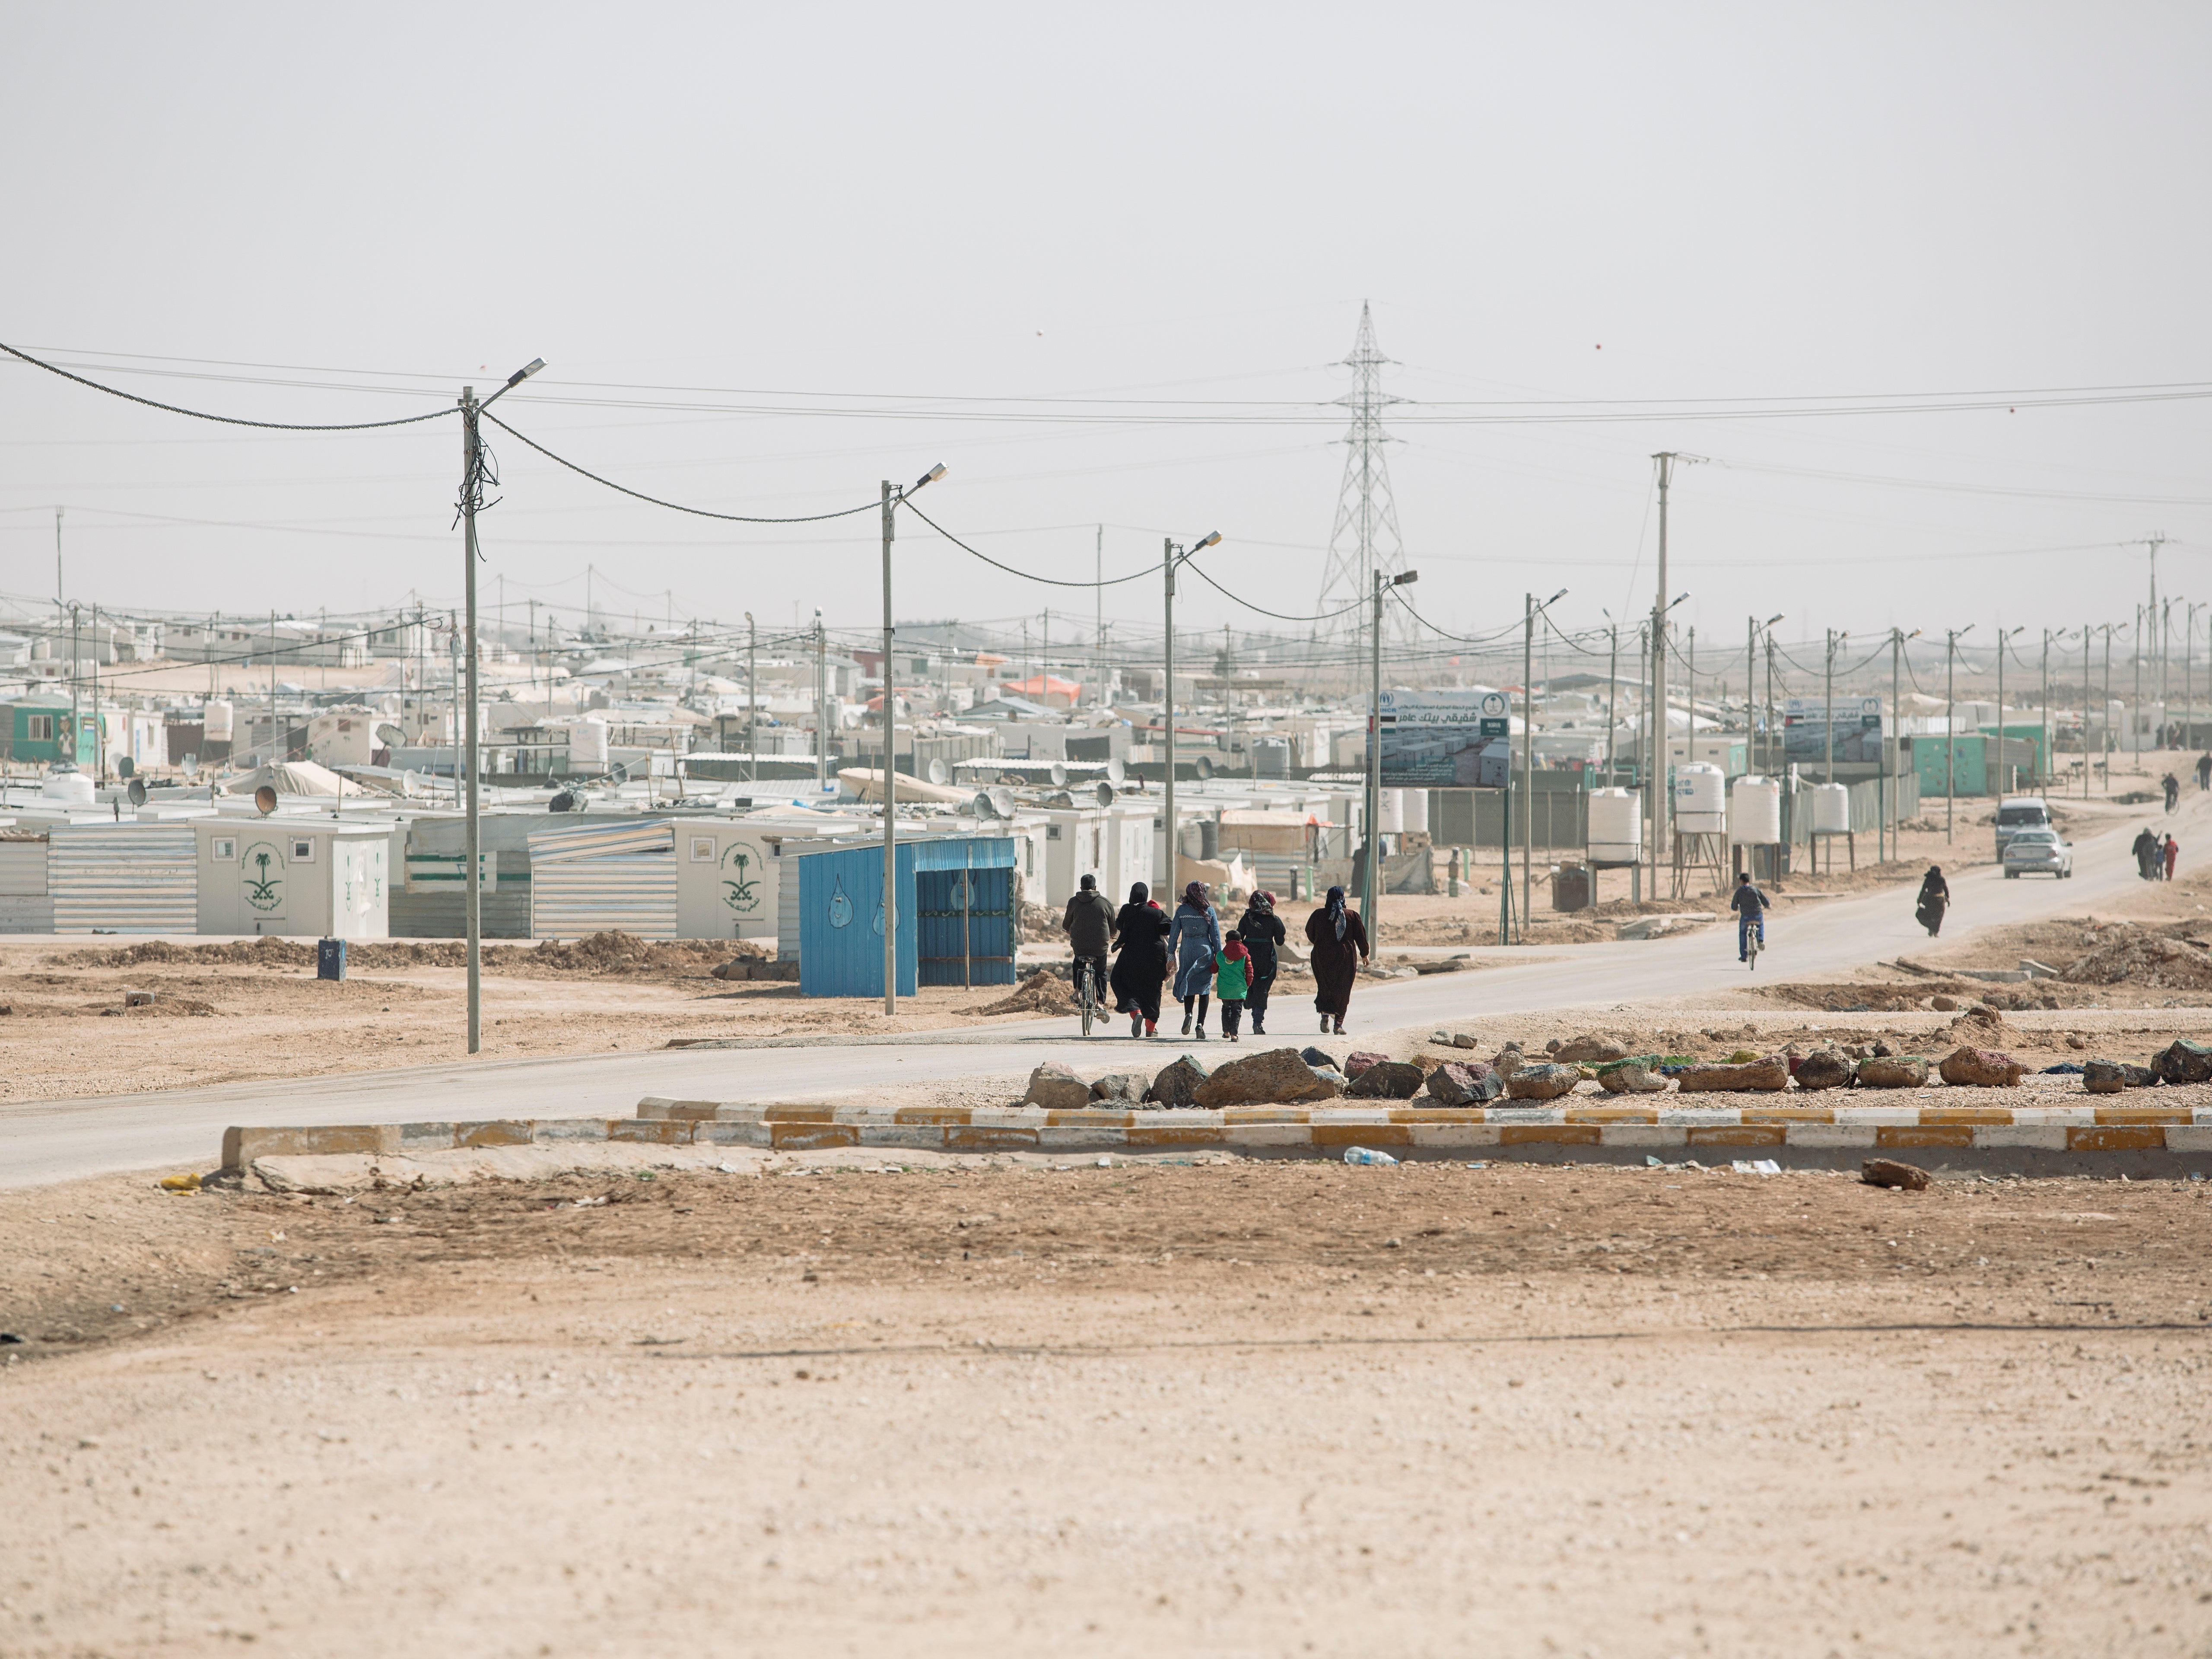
<point x="821" y="708"/>
<point x="1751" y="729"/>
<point x="891" y="500"/>
<point x="2003" y="774"/>
<point x="890" y="773"/>
<point x="1167" y="704"/>
<point x="2108" y="708"/>
<point x="1951" y="724"/>
<point x="1653" y="784"/>
<point x="1690" y="690"/>
<point x="2188" y="676"/>
<point x="1529" y="612"/>
<point x="752" y="702"/>
<point x="1773" y="737"/>
<point x="1642" y="731"/>
<point x="2134" y="704"/>
<point x="475" y="476"/>
<point x="2042" y="759"/>
<point x="1831" y="715"/>
<point x="1892" y="729"/>
<point x="1611" y="700"/>
<point x="1098" y="619"/>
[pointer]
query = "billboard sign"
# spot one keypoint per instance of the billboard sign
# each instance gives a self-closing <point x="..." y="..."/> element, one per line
<point x="1433" y="740"/>
<point x="1805" y="729"/>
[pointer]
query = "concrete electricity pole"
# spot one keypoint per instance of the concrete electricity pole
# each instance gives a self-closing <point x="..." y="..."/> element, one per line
<point x="1951" y="723"/>
<point x="891" y="503"/>
<point x="752" y="702"/>
<point x="1170" y="558"/>
<point x="1371" y="883"/>
<point x="476" y="477"/>
<point x="821" y="709"/>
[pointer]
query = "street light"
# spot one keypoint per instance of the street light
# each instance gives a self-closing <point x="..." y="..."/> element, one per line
<point x="1171" y="557"/>
<point x="1529" y="612"/>
<point x="473" y="480"/>
<point x="1371" y="884"/>
<point x="891" y="499"/>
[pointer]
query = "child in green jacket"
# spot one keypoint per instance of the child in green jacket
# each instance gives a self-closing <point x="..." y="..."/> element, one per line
<point x="1232" y="978"/>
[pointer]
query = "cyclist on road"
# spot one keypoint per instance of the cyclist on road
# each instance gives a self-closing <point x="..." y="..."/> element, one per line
<point x="1089" y="924"/>
<point x="1750" y="906"/>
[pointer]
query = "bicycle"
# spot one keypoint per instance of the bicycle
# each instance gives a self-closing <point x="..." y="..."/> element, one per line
<point x="1754" y="937"/>
<point x="1086" y="990"/>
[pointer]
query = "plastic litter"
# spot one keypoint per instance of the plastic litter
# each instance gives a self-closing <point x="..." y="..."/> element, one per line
<point x="1366" y="1155"/>
<point x="180" y="1183"/>
<point x="727" y="1169"/>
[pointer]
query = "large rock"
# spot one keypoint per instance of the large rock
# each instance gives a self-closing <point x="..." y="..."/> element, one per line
<point x="1824" y="1068"/>
<point x="1591" y="1049"/>
<point x="1462" y="1039"/>
<point x="1981" y="1068"/>
<point x="1465" y="1082"/>
<point x="1275" y="1077"/>
<point x="2183" y="1062"/>
<point x="1765" y="1074"/>
<point x="1359" y="1060"/>
<point x="1630" y="1078"/>
<point x="1888" y="1172"/>
<point x="1056" y="1088"/>
<point x="1331" y="1079"/>
<point x="1177" y="1085"/>
<point x="1542" y="1082"/>
<point x="2104" y="1077"/>
<point x="1314" y="1056"/>
<point x="1894" y="1071"/>
<point x="1509" y="1060"/>
<point x="1386" y="1079"/>
<point x="1121" y="1086"/>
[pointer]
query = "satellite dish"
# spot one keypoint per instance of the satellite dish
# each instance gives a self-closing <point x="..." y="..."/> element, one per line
<point x="264" y="799"/>
<point x="192" y="765"/>
<point x="940" y="773"/>
<point x="390" y="735"/>
<point x="1115" y="771"/>
<point x="136" y="792"/>
<point x="125" y="768"/>
<point x="1059" y="775"/>
<point x="1204" y="769"/>
<point x="1002" y="803"/>
<point x="981" y="806"/>
<point x="1105" y="793"/>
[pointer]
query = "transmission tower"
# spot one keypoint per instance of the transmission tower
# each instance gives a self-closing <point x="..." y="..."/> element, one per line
<point x="1365" y="538"/>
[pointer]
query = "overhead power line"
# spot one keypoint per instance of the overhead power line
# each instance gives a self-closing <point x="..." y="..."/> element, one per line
<point x="224" y="420"/>
<point x="1012" y="570"/>
<point x="674" y="507"/>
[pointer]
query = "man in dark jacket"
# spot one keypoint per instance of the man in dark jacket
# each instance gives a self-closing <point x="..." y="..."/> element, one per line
<point x="1089" y="924"/>
<point x="1750" y="907"/>
<point x="1263" y="933"/>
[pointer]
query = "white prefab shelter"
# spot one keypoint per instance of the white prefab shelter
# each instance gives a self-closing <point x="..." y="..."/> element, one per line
<point x="1113" y="843"/>
<point x="605" y="878"/>
<point x="122" y="879"/>
<point x="297" y="877"/>
<point x="728" y="878"/>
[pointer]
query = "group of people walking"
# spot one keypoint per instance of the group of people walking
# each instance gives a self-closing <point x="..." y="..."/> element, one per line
<point x="2156" y="855"/>
<point x="1206" y="963"/>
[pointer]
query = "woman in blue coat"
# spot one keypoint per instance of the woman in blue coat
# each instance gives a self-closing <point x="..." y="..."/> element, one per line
<point x="1194" y="941"/>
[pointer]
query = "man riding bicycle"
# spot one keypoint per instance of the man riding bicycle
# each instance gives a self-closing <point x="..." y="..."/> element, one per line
<point x="1089" y="924"/>
<point x="1750" y="906"/>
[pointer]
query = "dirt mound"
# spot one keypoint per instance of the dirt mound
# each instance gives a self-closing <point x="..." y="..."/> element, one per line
<point x="1853" y="998"/>
<point x="2134" y="956"/>
<point x="1042" y="992"/>
<point x="1986" y="1028"/>
<point x="267" y="952"/>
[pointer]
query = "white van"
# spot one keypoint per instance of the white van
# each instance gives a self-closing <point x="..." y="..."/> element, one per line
<point x="2018" y="812"/>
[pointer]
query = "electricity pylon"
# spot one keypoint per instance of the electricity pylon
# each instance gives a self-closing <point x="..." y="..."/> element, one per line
<point x="1365" y="538"/>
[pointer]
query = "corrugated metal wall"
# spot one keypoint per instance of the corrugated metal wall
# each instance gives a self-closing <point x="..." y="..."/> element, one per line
<point x="840" y="923"/>
<point x="629" y="892"/>
<point x="124" y="878"/>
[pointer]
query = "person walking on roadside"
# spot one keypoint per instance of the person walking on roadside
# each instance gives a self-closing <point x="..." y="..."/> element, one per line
<point x="1141" y="966"/>
<point x="2204" y="771"/>
<point x="1339" y="938"/>
<point x="1194" y="939"/>
<point x="1750" y="907"/>
<point x="2171" y="784"/>
<point x="1232" y="971"/>
<point x="1934" y="897"/>
<point x="1263" y="933"/>
<point x="1089" y="924"/>
<point x="2146" y="850"/>
<point x="2171" y="853"/>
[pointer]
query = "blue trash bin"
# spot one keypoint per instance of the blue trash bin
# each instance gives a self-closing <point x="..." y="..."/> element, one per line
<point x="330" y="958"/>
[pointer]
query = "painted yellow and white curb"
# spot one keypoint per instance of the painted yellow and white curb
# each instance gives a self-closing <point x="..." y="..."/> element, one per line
<point x="803" y="1125"/>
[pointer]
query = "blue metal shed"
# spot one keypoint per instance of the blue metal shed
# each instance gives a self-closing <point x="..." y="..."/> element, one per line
<point x="955" y="909"/>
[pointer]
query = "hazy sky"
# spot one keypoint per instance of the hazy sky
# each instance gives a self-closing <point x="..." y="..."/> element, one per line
<point x="1181" y="208"/>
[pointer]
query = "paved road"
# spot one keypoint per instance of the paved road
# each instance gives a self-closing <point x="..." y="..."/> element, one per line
<point x="59" y="1140"/>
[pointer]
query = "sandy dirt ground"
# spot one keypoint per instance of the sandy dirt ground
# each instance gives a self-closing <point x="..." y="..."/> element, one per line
<point x="1240" y="1408"/>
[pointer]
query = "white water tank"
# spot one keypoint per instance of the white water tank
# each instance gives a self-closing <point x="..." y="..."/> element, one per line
<point x="1616" y="826"/>
<point x="1831" y="809"/>
<point x="1700" y="799"/>
<point x="587" y="744"/>
<point x="1414" y="807"/>
<point x="1391" y="804"/>
<point x="218" y="722"/>
<point x="69" y="788"/>
<point x="1755" y="813"/>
